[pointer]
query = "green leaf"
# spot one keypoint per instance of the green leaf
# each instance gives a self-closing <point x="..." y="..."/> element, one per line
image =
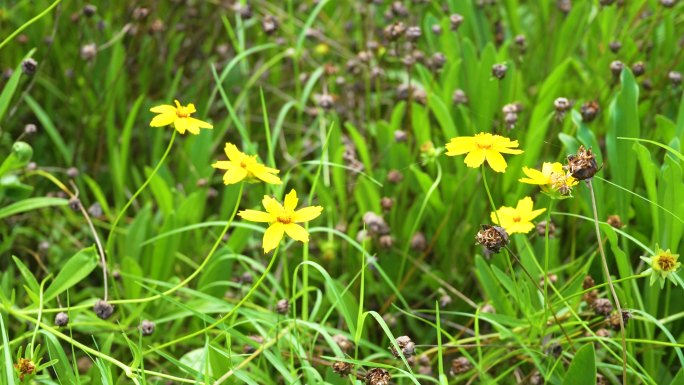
<point x="30" y="204"/>
<point x="28" y="276"/>
<point x="65" y="373"/>
<point x="50" y="128"/>
<point x="11" y="86"/>
<point x="9" y="369"/>
<point x="74" y="270"/>
<point x="679" y="378"/>
<point x="582" y="369"/>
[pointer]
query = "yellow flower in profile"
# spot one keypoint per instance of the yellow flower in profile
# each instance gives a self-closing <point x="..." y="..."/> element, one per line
<point x="664" y="265"/>
<point x="240" y="166"/>
<point x="518" y="219"/>
<point x="179" y="116"/>
<point x="282" y="219"/>
<point x="552" y="178"/>
<point x="481" y="147"/>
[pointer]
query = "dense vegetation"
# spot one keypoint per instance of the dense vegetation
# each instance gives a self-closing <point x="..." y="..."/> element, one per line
<point x="153" y="255"/>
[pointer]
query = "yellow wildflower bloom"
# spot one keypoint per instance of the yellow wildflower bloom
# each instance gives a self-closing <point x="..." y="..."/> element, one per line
<point x="282" y="219"/>
<point x="481" y="147"/>
<point x="518" y="219"/>
<point x="179" y="116"/>
<point x="551" y="178"/>
<point x="240" y="166"/>
<point x="663" y="266"/>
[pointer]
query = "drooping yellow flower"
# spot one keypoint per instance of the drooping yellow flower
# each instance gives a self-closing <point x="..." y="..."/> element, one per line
<point x="179" y="116"/>
<point x="240" y="166"/>
<point x="481" y="147"/>
<point x="282" y="219"/>
<point x="552" y="178"/>
<point x="518" y="219"/>
<point x="664" y="265"/>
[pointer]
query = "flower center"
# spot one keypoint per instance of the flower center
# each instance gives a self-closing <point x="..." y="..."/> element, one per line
<point x="182" y="112"/>
<point x="284" y="219"/>
<point x="516" y="219"/>
<point x="666" y="262"/>
<point x="483" y="146"/>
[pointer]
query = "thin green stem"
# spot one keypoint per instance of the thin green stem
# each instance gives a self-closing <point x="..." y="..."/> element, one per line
<point x="546" y="259"/>
<point x="232" y="311"/>
<point x="110" y="237"/>
<point x="28" y="23"/>
<point x="606" y="271"/>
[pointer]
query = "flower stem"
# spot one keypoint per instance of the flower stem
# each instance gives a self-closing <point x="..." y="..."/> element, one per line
<point x="232" y="311"/>
<point x="112" y="231"/>
<point x="606" y="271"/>
<point x="546" y="256"/>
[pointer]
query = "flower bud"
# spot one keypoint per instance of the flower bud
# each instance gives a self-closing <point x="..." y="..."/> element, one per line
<point x="29" y="66"/>
<point x="103" y="309"/>
<point x="147" y="327"/>
<point x="499" y="70"/>
<point x="61" y="319"/>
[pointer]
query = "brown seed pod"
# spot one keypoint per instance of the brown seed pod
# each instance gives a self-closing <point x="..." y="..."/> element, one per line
<point x="493" y="238"/>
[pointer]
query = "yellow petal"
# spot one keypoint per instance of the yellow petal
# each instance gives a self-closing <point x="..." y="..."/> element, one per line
<point x="297" y="232"/>
<point x="307" y="213"/>
<point x="255" y="216"/>
<point x="272" y="236"/>
<point x="223" y="164"/>
<point x="234" y="175"/>
<point x="475" y="158"/>
<point x="199" y="123"/>
<point x="164" y="109"/>
<point x="233" y="153"/>
<point x="460" y="145"/>
<point x="163" y="120"/>
<point x="272" y="206"/>
<point x="291" y="201"/>
<point x="261" y="172"/>
<point x="495" y="160"/>
<point x="529" y="216"/>
<point x="191" y="126"/>
<point x="181" y="125"/>
<point x="191" y="108"/>
<point x="534" y="177"/>
<point x="520" y="228"/>
<point x="525" y="205"/>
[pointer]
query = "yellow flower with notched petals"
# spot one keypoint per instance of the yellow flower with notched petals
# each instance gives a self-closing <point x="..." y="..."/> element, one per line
<point x="179" y="116"/>
<point x="517" y="219"/>
<point x="481" y="147"/>
<point x="282" y="219"/>
<point x="663" y="265"/>
<point x="552" y="178"/>
<point x="240" y="166"/>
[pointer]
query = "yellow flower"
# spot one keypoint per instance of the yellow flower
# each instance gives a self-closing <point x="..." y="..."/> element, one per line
<point x="551" y="178"/>
<point x="518" y="219"/>
<point x="663" y="266"/>
<point x="481" y="147"/>
<point x="241" y="166"/>
<point x="282" y="219"/>
<point x="179" y="116"/>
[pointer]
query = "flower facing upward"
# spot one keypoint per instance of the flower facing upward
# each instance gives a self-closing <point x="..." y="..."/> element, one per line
<point x="481" y="147"/>
<point x="552" y="178"/>
<point x="282" y="219"/>
<point x="518" y="219"/>
<point x="240" y="166"/>
<point x="663" y="266"/>
<point x="179" y="116"/>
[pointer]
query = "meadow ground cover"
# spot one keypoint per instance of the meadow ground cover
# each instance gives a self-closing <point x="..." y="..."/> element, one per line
<point x="333" y="192"/>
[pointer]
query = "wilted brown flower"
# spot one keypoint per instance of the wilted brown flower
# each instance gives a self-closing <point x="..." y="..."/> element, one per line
<point x="378" y="376"/>
<point x="342" y="368"/>
<point x="602" y="307"/>
<point x="494" y="238"/>
<point x="406" y="345"/>
<point x="582" y="165"/>
<point x="460" y="365"/>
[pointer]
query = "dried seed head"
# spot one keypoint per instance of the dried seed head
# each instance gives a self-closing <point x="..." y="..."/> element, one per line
<point x="616" y="68"/>
<point x="386" y="203"/>
<point x="343" y="342"/>
<point x="600" y="379"/>
<point x="246" y="278"/>
<point x="394" y="31"/>
<point x="675" y="77"/>
<point x="386" y="241"/>
<point x="521" y="41"/>
<point x="147" y="327"/>
<point x="455" y="20"/>
<point x="615" y="46"/>
<point x="326" y="101"/>
<point x="510" y="120"/>
<point x="140" y="13"/>
<point x="157" y="26"/>
<point x="562" y="104"/>
<point x="395" y="176"/>
<point x="459" y="97"/>
<point x="437" y="60"/>
<point x="283" y="306"/>
<point x="61" y="319"/>
<point x="398" y="9"/>
<point x="541" y="229"/>
<point x="614" y="320"/>
<point x="28" y="66"/>
<point x="602" y="307"/>
<point x="408" y="348"/>
<point x="564" y="6"/>
<point x="668" y="3"/>
<point x="378" y="376"/>
<point x="499" y="70"/>
<point x="493" y="238"/>
<point x="583" y="165"/>
<point x="89" y="51"/>
<point x="25" y="367"/>
<point x="375" y="224"/>
<point x="555" y="349"/>
<point x="603" y="333"/>
<point x="249" y="348"/>
<point x="413" y="33"/>
<point x="444" y="300"/>
<point x="638" y="68"/>
<point x="269" y="24"/>
<point x="103" y="309"/>
<point x="615" y="221"/>
<point x="589" y="110"/>
<point x="418" y="242"/>
<point x="89" y="10"/>
<point x="75" y="204"/>
<point x="400" y="136"/>
<point x="436" y="29"/>
<point x="342" y="368"/>
<point x="552" y="279"/>
<point x="72" y="172"/>
<point x="460" y="365"/>
<point x="244" y="10"/>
